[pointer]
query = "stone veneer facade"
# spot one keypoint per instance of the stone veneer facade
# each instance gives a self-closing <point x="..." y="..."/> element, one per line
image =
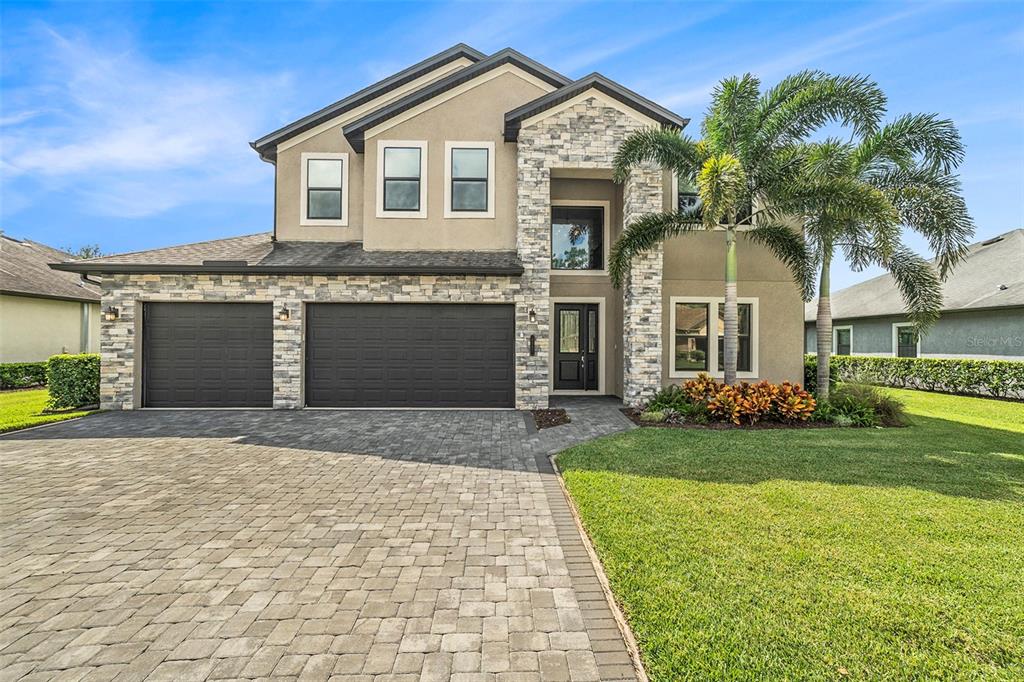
<point x="586" y="136"/>
<point x="120" y="339"/>
<point x="583" y="136"/>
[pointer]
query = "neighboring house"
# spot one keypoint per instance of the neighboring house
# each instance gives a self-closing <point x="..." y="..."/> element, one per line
<point x="44" y="312"/>
<point x="441" y="239"/>
<point x="982" y="311"/>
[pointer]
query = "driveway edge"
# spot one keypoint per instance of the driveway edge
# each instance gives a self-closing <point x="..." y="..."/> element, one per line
<point x="612" y="640"/>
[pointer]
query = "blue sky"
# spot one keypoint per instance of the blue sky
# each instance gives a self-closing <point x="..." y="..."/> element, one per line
<point x="127" y="124"/>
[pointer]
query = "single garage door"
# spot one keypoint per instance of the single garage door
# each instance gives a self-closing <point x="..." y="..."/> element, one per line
<point x="409" y="355"/>
<point x="208" y="354"/>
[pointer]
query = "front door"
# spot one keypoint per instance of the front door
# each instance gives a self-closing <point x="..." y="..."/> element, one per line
<point x="576" y="350"/>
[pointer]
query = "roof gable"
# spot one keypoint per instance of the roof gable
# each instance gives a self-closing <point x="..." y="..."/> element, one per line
<point x="355" y="132"/>
<point x="266" y="146"/>
<point x="595" y="81"/>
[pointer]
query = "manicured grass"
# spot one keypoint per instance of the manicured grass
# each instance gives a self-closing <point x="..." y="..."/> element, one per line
<point x="21" y="409"/>
<point x="818" y="553"/>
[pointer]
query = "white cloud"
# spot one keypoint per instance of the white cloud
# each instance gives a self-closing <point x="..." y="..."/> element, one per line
<point x="131" y="137"/>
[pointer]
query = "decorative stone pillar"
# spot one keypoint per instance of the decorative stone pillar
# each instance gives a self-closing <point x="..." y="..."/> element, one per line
<point x="118" y="346"/>
<point x="642" y="305"/>
<point x="533" y="243"/>
<point x="288" y="354"/>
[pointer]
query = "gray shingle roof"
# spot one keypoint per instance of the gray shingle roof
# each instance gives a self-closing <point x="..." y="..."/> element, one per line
<point x="257" y="253"/>
<point x="24" y="269"/>
<point x="992" y="276"/>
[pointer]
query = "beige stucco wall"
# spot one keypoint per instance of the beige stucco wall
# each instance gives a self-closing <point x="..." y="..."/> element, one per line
<point x="695" y="266"/>
<point x="33" y="329"/>
<point x="475" y="115"/>
<point x="328" y="137"/>
<point x="581" y="287"/>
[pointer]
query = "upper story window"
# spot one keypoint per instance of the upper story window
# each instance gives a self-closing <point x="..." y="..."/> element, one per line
<point x="469" y="180"/>
<point x="688" y="198"/>
<point x="401" y="179"/>
<point x="578" y="238"/>
<point x="324" y="188"/>
<point x="698" y="344"/>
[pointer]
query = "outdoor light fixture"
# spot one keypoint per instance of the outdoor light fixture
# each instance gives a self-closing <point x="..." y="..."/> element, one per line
<point x="283" y="314"/>
<point x="533" y="315"/>
<point x="111" y="313"/>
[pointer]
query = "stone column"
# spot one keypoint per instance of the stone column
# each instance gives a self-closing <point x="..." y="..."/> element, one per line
<point x="533" y="242"/>
<point x="642" y="305"/>
<point x="118" y="346"/>
<point x="288" y="354"/>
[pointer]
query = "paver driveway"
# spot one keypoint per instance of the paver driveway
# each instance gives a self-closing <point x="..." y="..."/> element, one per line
<point x="347" y="544"/>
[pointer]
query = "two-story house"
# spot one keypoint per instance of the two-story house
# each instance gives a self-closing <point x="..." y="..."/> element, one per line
<point x="441" y="239"/>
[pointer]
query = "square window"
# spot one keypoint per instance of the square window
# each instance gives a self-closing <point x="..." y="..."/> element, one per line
<point x="577" y="238"/>
<point x="322" y="173"/>
<point x="324" y="204"/>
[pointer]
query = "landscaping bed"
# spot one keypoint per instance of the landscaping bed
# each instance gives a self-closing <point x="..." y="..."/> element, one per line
<point x="21" y="409"/>
<point x="817" y="553"/>
<point x="546" y="419"/>
<point x="633" y="414"/>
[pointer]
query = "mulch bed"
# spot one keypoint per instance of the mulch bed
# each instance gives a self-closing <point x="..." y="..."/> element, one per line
<point x="634" y="416"/>
<point x="545" y="419"/>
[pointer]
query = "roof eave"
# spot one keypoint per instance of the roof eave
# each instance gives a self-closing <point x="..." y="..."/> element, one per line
<point x="142" y="269"/>
<point x="51" y="297"/>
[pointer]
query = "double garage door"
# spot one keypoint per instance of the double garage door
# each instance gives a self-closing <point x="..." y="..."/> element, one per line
<point x="356" y="355"/>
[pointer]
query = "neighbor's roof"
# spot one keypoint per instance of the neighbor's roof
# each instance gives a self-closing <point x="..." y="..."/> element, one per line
<point x="258" y="254"/>
<point x="24" y="271"/>
<point x="992" y="276"/>
<point x="356" y="130"/>
<point x="267" y="145"/>
<point x="515" y="118"/>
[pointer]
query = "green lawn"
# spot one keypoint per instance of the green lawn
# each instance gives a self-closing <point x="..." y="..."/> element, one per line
<point x="818" y="553"/>
<point x="21" y="409"/>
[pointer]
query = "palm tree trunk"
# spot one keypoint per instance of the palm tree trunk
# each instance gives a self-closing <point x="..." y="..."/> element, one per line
<point x="731" y="344"/>
<point x="823" y="325"/>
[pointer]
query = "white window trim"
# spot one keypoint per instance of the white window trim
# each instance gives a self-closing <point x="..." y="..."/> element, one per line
<point x="422" y="145"/>
<point x="713" y="304"/>
<point x="601" y="354"/>
<point x="304" y="219"/>
<point x="895" y="338"/>
<point x="449" y="145"/>
<point x="607" y="232"/>
<point x="835" y="336"/>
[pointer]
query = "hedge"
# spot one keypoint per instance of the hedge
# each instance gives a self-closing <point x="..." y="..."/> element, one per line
<point x="73" y="380"/>
<point x="999" y="378"/>
<point x="22" y="374"/>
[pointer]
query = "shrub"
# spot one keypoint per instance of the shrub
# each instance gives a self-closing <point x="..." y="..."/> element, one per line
<point x="703" y="399"/>
<point x="998" y="378"/>
<point x="860" y="405"/>
<point x="73" y="380"/>
<point x="652" y="416"/>
<point x="22" y="374"/>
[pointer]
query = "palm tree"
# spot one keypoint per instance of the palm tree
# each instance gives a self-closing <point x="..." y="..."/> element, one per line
<point x="859" y="196"/>
<point x="751" y="150"/>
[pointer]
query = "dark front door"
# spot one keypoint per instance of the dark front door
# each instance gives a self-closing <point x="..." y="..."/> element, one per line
<point x="576" y="350"/>
<point x="207" y="354"/>
<point x="410" y="355"/>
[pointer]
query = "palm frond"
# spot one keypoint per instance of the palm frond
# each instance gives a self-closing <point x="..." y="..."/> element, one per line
<point x="666" y="147"/>
<point x="789" y="247"/>
<point x="911" y="137"/>
<point x="722" y="185"/>
<point x="646" y="232"/>
<point x="731" y="116"/>
<point x="919" y="286"/>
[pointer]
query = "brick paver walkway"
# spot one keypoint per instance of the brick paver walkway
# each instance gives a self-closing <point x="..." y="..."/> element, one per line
<point x="315" y="544"/>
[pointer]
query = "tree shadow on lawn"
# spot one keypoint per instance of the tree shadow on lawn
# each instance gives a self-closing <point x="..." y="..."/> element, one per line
<point x="932" y="454"/>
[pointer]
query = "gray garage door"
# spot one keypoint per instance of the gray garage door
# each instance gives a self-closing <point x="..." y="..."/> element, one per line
<point x="409" y="355"/>
<point x="208" y="354"/>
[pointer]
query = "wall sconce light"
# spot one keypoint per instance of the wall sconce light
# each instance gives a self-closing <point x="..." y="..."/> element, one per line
<point x="533" y="315"/>
<point x="111" y="313"/>
<point x="283" y="314"/>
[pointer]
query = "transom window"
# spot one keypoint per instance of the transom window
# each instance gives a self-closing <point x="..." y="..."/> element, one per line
<point x="469" y="179"/>
<point x="695" y="350"/>
<point x="323" y="188"/>
<point x="402" y="176"/>
<point x="577" y="238"/>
